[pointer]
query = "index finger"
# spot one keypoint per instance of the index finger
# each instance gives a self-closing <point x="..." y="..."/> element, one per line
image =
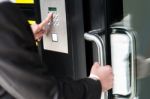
<point x="46" y="20"/>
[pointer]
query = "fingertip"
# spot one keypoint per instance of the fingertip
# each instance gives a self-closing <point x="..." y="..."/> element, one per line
<point x="50" y="15"/>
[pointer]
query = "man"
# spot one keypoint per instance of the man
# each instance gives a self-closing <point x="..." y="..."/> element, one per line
<point x="22" y="75"/>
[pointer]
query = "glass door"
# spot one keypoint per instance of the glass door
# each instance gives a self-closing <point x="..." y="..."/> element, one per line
<point x="136" y="16"/>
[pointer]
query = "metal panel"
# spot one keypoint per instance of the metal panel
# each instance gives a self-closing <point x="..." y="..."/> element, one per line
<point x="56" y="39"/>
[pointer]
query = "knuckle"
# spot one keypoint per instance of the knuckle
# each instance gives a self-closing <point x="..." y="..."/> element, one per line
<point x="109" y="68"/>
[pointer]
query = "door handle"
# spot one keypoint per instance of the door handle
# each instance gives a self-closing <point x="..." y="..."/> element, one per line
<point x="101" y="52"/>
<point x="132" y="92"/>
<point x="100" y="46"/>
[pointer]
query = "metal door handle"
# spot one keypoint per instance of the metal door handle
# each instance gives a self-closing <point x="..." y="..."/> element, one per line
<point x="101" y="52"/>
<point x="100" y="46"/>
<point x="130" y="34"/>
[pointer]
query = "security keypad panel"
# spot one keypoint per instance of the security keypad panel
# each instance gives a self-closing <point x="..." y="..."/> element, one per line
<point x="56" y="37"/>
<point x="55" y="15"/>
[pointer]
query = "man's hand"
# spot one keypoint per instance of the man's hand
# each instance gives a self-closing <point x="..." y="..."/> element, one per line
<point x="104" y="74"/>
<point x="39" y="29"/>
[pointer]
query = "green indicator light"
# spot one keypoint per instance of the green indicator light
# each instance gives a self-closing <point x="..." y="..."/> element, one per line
<point x="52" y="9"/>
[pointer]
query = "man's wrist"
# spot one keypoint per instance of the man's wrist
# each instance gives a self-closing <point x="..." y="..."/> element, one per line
<point x="94" y="77"/>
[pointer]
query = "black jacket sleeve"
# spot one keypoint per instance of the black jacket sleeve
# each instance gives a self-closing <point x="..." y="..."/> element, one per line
<point x="21" y="72"/>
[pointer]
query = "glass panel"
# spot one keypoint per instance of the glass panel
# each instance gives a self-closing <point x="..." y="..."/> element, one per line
<point x="136" y="16"/>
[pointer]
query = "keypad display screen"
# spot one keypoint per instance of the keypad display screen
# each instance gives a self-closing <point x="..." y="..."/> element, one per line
<point x="52" y="9"/>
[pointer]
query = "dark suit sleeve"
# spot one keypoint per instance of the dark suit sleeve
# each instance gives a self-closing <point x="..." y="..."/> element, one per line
<point x="22" y="74"/>
<point x="82" y="89"/>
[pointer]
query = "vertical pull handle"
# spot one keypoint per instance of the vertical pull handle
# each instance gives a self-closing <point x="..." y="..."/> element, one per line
<point x="101" y="52"/>
<point x="100" y="46"/>
<point x="133" y="81"/>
